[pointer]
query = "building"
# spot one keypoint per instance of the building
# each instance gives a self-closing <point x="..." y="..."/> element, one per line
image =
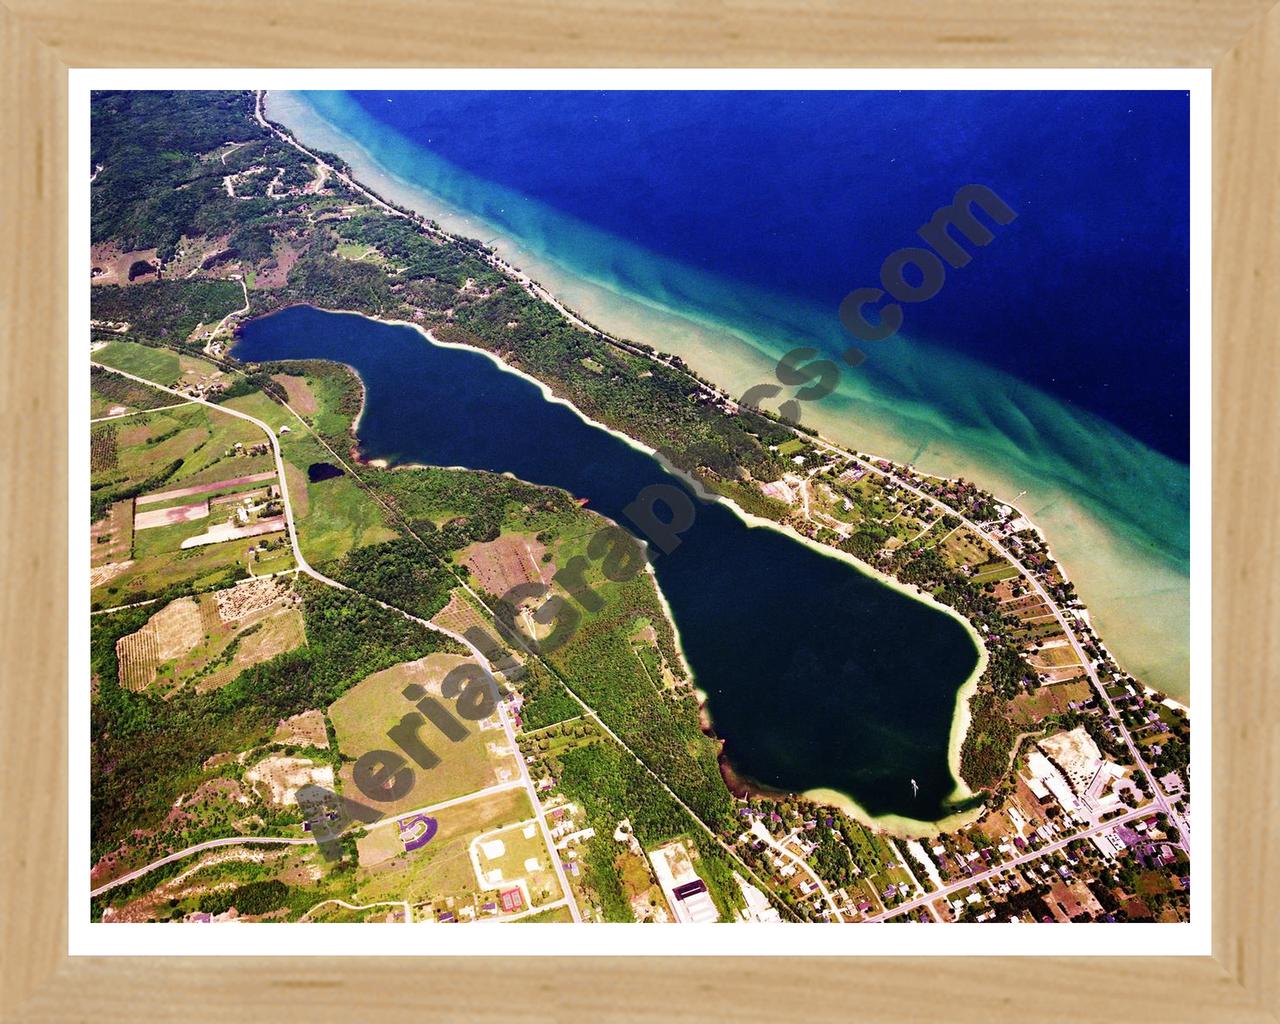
<point x="685" y="891"/>
<point x="1076" y="754"/>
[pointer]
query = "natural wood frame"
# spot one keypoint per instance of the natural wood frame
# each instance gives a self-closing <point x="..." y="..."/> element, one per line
<point x="40" y="39"/>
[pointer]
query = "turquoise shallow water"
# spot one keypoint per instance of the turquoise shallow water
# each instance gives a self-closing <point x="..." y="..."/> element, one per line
<point x="1115" y="511"/>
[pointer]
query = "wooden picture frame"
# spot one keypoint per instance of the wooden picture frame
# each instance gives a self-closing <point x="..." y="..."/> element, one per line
<point x="42" y="39"/>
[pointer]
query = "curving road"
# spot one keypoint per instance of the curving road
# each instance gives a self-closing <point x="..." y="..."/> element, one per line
<point x="306" y="567"/>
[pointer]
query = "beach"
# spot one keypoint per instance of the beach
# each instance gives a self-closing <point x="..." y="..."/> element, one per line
<point x="1137" y="591"/>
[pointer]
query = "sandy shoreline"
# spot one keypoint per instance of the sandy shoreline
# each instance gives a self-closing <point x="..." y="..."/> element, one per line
<point x="961" y="715"/>
<point x="1139" y="605"/>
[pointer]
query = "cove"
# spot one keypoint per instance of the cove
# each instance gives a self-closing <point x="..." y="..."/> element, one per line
<point x="817" y="675"/>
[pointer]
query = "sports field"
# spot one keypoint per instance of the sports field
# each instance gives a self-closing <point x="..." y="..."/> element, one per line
<point x="443" y="867"/>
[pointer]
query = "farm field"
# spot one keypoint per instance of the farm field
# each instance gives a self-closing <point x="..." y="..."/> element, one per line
<point x="112" y="395"/>
<point x="258" y="405"/>
<point x="198" y="569"/>
<point x="111" y="538"/>
<point x="994" y="571"/>
<point x="362" y="716"/>
<point x="155" y="364"/>
<point x="157" y="451"/>
<point x="302" y="399"/>
<point x="208" y="640"/>
<point x="144" y="468"/>
<point x="512" y="559"/>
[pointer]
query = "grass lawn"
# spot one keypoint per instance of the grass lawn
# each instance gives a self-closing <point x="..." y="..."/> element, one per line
<point x="155" y="364"/>
<point x="333" y="516"/>
<point x="443" y="867"/>
<point x="362" y="716"/>
<point x="193" y="367"/>
<point x="258" y="405"/>
<point x="521" y="844"/>
<point x="991" y="572"/>
<point x="1056" y="657"/>
<point x="159" y="539"/>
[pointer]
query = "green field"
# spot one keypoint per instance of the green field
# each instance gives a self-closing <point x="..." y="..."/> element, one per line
<point x="258" y="405"/>
<point x="994" y="571"/>
<point x="332" y="516"/>
<point x="167" y="450"/>
<point x="362" y="716"/>
<point x="443" y="867"/>
<point x="109" y="390"/>
<point x="197" y="569"/>
<point x="155" y="364"/>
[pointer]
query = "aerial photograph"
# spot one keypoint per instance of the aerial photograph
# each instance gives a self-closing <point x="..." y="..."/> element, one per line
<point x="637" y="506"/>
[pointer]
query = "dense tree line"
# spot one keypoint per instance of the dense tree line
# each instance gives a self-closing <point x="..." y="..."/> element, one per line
<point x="546" y="701"/>
<point x="399" y="572"/>
<point x="153" y="186"/>
<point x="610" y="786"/>
<point x="988" y="745"/>
<point x="416" y="254"/>
<point x="251" y="898"/>
<point x="652" y="401"/>
<point x="166" y="311"/>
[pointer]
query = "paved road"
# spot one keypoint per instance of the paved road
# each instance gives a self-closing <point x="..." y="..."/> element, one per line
<point x="291" y="840"/>
<point x="198" y="848"/>
<point x="1160" y="798"/>
<point x="305" y="566"/>
<point x="1026" y="858"/>
<point x="760" y="832"/>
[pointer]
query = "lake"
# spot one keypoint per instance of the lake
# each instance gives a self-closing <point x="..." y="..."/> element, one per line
<point x="817" y="675"/>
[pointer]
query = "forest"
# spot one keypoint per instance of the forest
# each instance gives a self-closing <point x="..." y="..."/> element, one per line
<point x="148" y="750"/>
<point x="610" y="786"/>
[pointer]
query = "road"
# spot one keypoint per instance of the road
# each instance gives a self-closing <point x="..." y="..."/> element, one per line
<point x="1160" y="798"/>
<point x="402" y="904"/>
<point x="1026" y="858"/>
<point x="305" y="567"/>
<point x="235" y="312"/>
<point x="291" y="840"/>
<point x="198" y="848"/>
<point x="760" y="832"/>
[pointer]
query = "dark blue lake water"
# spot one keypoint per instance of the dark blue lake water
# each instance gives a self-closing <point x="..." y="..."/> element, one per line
<point x="805" y="193"/>
<point x="817" y="675"/>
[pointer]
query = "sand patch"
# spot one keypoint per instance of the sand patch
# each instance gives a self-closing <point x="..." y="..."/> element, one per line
<point x="282" y="777"/>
